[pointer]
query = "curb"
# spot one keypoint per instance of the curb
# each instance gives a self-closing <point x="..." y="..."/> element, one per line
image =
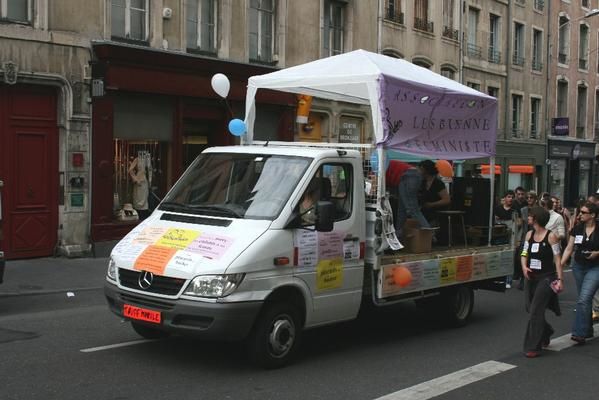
<point x="48" y="292"/>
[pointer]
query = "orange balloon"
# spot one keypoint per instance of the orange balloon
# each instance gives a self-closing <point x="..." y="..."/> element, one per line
<point x="444" y="167"/>
<point x="402" y="276"/>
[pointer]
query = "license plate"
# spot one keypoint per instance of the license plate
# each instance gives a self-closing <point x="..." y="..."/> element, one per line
<point x="142" y="314"/>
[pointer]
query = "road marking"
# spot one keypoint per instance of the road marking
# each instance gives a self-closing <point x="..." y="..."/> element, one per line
<point x="114" y="346"/>
<point x="563" y="342"/>
<point x="438" y="386"/>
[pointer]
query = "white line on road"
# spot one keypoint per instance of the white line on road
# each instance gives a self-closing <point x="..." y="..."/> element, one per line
<point x="447" y="383"/>
<point x="563" y="342"/>
<point x="114" y="346"/>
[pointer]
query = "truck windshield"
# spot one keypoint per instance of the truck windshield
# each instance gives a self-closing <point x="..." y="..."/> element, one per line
<point x="234" y="185"/>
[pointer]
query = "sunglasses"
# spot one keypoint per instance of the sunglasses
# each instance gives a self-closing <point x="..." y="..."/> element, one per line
<point x="585" y="212"/>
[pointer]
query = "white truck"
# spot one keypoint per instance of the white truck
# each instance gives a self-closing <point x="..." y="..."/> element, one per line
<point x="229" y="254"/>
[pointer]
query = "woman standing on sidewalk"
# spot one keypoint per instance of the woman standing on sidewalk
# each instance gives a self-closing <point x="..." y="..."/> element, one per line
<point x="584" y="243"/>
<point x="542" y="268"/>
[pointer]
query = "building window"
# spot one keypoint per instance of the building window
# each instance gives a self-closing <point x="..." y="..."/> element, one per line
<point x="262" y="22"/>
<point x="474" y="50"/>
<point x="129" y="19"/>
<point x="333" y="29"/>
<point x="537" y="50"/>
<point x="585" y="3"/>
<point x="493" y="91"/>
<point x="516" y="115"/>
<point x="518" y="58"/>
<point x="562" y="98"/>
<point x="581" y="112"/>
<point x="201" y="17"/>
<point x="473" y="85"/>
<point x="16" y="10"/>
<point x="564" y="38"/>
<point x="449" y="30"/>
<point x="494" y="35"/>
<point x="448" y="72"/>
<point x="535" y="109"/>
<point x="539" y="5"/>
<point x="421" y="17"/>
<point x="393" y="11"/>
<point x="421" y="62"/>
<point x="583" y="47"/>
<point x="596" y="114"/>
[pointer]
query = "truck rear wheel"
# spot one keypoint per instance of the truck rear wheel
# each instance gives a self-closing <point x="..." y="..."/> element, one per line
<point x="276" y="336"/>
<point x="458" y="304"/>
<point x="148" y="332"/>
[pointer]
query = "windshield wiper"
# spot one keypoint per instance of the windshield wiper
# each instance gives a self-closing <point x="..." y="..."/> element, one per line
<point x="217" y="210"/>
<point x="174" y="206"/>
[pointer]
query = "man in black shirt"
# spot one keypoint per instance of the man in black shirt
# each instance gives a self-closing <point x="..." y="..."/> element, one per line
<point x="520" y="200"/>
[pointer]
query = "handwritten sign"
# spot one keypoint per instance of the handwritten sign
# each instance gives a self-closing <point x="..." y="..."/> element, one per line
<point x="329" y="274"/>
<point x="210" y="246"/>
<point x="177" y="238"/>
<point x="330" y="245"/>
<point x="154" y="259"/>
<point x="306" y="243"/>
<point x="448" y="270"/>
<point x="464" y="268"/>
<point x="149" y="235"/>
<point x="184" y="261"/>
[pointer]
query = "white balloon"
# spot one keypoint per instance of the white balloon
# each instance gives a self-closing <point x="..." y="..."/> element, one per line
<point x="221" y="85"/>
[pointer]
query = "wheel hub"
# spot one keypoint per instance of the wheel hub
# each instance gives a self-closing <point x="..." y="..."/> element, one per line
<point x="281" y="337"/>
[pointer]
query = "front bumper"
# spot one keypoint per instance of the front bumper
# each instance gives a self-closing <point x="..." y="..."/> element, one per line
<point x="221" y="321"/>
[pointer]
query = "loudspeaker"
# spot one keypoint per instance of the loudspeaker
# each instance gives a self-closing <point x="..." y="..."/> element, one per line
<point x="472" y="195"/>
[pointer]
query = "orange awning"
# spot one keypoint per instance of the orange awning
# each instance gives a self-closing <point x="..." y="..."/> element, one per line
<point x="485" y="169"/>
<point x="521" y="169"/>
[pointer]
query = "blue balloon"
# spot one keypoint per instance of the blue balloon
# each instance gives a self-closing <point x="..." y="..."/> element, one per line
<point x="237" y="127"/>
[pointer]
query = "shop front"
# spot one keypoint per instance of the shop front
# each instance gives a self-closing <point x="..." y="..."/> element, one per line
<point x="153" y="113"/>
<point x="571" y="169"/>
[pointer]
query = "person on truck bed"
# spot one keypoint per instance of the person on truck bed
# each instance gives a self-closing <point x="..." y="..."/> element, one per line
<point x="405" y="181"/>
<point x="433" y="195"/>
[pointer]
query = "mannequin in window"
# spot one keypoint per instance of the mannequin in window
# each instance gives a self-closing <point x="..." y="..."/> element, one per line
<point x="137" y="172"/>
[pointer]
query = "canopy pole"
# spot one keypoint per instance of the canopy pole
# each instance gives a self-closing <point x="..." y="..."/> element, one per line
<point x="492" y="198"/>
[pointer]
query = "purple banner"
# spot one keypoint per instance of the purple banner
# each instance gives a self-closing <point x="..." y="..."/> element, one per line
<point x="437" y="122"/>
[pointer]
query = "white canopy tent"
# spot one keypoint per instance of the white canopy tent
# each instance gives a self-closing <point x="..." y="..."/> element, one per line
<point x="414" y="110"/>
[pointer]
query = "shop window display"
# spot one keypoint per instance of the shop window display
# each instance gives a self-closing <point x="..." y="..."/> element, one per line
<point x="139" y="172"/>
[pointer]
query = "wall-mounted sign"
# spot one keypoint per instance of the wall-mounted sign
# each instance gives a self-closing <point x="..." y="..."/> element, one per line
<point x="560" y="126"/>
<point x="77" y="199"/>
<point x="350" y="130"/>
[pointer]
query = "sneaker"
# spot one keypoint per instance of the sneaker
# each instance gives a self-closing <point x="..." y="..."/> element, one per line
<point x="508" y="286"/>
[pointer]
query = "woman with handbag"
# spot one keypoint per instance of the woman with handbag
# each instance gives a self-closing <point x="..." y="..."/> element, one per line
<point x="584" y="243"/>
<point x="542" y="269"/>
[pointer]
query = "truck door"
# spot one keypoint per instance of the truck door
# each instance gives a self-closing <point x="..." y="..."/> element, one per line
<point x="332" y="263"/>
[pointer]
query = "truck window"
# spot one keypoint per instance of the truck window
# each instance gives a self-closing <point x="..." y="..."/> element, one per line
<point x="332" y="182"/>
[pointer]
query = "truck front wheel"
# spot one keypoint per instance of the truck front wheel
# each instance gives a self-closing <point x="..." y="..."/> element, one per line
<point x="276" y="336"/>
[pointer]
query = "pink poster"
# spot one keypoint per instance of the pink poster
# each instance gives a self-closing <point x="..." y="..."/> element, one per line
<point x="210" y="246"/>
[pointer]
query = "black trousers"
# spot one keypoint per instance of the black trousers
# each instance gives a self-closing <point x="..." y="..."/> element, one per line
<point x="538" y="294"/>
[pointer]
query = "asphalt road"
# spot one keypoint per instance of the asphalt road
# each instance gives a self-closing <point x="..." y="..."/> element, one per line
<point x="381" y="353"/>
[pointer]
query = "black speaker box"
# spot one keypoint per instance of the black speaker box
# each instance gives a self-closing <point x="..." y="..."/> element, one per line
<point x="472" y="196"/>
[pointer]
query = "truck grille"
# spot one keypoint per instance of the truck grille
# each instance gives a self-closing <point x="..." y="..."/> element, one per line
<point x="160" y="284"/>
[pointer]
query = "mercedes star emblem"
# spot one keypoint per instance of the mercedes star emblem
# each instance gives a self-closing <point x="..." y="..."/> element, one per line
<point x="145" y="279"/>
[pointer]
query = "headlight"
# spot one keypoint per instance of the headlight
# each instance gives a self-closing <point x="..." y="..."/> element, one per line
<point x="213" y="285"/>
<point x="111" y="272"/>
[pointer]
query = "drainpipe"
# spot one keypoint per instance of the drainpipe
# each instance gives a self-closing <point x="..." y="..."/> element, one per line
<point x="547" y="91"/>
<point x="508" y="80"/>
<point x="461" y="50"/>
<point x="379" y="27"/>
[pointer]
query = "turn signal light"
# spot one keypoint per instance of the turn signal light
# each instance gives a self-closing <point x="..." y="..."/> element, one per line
<point x="279" y="261"/>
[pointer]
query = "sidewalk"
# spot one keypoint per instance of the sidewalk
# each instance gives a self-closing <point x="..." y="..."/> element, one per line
<point x="52" y="275"/>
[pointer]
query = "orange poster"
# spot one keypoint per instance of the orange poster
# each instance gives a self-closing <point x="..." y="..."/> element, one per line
<point x="154" y="259"/>
<point x="464" y="268"/>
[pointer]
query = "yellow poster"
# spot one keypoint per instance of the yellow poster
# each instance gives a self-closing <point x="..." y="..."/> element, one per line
<point x="177" y="238"/>
<point x="448" y="270"/>
<point x="329" y="274"/>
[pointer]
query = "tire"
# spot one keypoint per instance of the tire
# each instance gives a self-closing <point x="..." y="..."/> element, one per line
<point x="148" y="332"/>
<point x="458" y="304"/>
<point x="276" y="336"/>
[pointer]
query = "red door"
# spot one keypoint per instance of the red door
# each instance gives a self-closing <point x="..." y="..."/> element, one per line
<point x="29" y="171"/>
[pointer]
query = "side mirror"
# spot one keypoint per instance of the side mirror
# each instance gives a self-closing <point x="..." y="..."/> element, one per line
<point x="325" y="212"/>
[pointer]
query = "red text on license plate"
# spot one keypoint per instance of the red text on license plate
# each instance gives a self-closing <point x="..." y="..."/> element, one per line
<point x="142" y="314"/>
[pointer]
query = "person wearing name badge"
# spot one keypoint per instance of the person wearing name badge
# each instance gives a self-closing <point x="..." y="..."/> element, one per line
<point x="542" y="268"/>
<point x="584" y="244"/>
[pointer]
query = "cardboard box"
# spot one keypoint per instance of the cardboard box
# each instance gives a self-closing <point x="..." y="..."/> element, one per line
<point x="416" y="239"/>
